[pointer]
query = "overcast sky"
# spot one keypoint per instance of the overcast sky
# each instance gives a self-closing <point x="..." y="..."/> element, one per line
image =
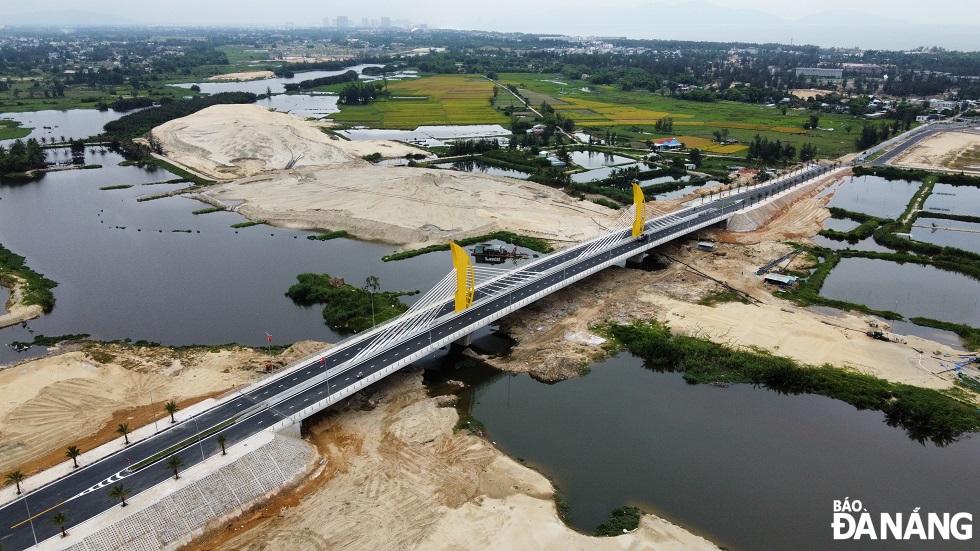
<point x="545" y="16"/>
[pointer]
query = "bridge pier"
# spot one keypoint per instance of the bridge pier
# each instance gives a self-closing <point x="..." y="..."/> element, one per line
<point x="465" y="341"/>
<point x="291" y="429"/>
<point x="635" y="261"/>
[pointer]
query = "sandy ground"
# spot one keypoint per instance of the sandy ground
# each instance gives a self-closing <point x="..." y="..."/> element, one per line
<point x="950" y="150"/>
<point x="79" y="397"/>
<point x="245" y="75"/>
<point x="396" y="477"/>
<point x="411" y="205"/>
<point x="234" y="141"/>
<point x="16" y="311"/>
<point x="807" y="93"/>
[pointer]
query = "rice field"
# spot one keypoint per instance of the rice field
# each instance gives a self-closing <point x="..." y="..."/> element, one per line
<point x="440" y="99"/>
<point x="635" y="113"/>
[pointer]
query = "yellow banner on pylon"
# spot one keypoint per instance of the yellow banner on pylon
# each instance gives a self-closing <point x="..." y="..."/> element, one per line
<point x="640" y="222"/>
<point x="464" y="277"/>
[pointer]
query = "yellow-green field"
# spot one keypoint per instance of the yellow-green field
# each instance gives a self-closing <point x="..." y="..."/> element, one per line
<point x="440" y="99"/>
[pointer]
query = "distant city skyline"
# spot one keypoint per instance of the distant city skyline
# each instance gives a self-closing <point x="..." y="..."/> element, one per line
<point x="892" y="24"/>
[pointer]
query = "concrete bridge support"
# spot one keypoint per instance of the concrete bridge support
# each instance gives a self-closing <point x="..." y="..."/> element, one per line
<point x="635" y="261"/>
<point x="465" y="341"/>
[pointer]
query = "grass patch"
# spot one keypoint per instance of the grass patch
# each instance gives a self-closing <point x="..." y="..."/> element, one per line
<point x="533" y="243"/>
<point x="41" y="340"/>
<point x="248" y="224"/>
<point x="37" y="288"/>
<point x="208" y="210"/>
<point x="924" y="414"/>
<point x="970" y="335"/>
<point x="177" y="171"/>
<point x="120" y="186"/>
<point x="12" y="130"/>
<point x="326" y="236"/>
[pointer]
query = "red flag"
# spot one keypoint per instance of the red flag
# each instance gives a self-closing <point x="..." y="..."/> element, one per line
<point x="269" y="337"/>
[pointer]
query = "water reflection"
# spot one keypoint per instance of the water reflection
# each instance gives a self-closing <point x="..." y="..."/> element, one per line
<point x="474" y="165"/>
<point x="680" y="450"/>
<point x="909" y="289"/>
<point x="874" y="195"/>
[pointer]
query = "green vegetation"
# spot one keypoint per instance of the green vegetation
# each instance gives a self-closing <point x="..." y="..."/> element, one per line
<point x="181" y="445"/>
<point x="372" y="157"/>
<point x="10" y="130"/>
<point x="37" y="289"/>
<point x="182" y="174"/>
<point x="310" y="84"/>
<point x="345" y="306"/>
<point x="950" y="216"/>
<point x="41" y="340"/>
<point x="970" y="335"/>
<point x="633" y="115"/>
<point x="328" y="235"/>
<point x="21" y="157"/>
<point x="924" y="414"/>
<point x="533" y="243"/>
<point x="621" y="520"/>
<point x="208" y="210"/>
<point x="440" y="99"/>
<point x="471" y="424"/>
<point x="248" y="224"/>
<point x="120" y="186"/>
<point x="867" y="227"/>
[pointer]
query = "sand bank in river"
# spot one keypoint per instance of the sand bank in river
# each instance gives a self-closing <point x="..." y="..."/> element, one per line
<point x="244" y="75"/>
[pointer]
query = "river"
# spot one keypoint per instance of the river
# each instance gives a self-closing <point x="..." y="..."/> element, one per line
<point x="744" y="467"/>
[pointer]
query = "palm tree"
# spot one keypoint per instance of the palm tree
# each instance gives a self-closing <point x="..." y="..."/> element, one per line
<point x="72" y="453"/>
<point x="372" y="284"/>
<point x="15" y="478"/>
<point x="60" y="519"/>
<point x="221" y="442"/>
<point x="174" y="464"/>
<point x="171" y="408"/>
<point x="118" y="491"/>
<point x="123" y="429"/>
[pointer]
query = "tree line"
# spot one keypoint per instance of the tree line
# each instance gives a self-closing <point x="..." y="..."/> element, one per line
<point x="21" y="156"/>
<point x="322" y="81"/>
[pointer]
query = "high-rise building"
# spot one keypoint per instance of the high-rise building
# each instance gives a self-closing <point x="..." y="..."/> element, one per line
<point x="326" y="21"/>
<point x="385" y="22"/>
<point x="342" y="22"/>
<point x="364" y="22"/>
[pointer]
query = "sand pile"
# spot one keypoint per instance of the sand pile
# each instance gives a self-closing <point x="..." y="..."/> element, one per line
<point x="232" y="141"/>
<point x="411" y="205"/>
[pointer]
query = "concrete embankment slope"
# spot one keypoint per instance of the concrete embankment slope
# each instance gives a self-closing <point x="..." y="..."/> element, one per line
<point x="211" y="493"/>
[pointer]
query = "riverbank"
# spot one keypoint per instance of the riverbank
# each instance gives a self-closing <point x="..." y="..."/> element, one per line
<point x="16" y="310"/>
<point x="390" y="455"/>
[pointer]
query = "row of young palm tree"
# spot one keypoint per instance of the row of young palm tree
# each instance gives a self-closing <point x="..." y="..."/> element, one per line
<point x="118" y="491"/>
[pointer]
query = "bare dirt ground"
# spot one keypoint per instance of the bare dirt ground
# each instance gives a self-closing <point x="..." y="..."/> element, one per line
<point x="945" y="150"/>
<point x="395" y="476"/>
<point x="79" y="397"/>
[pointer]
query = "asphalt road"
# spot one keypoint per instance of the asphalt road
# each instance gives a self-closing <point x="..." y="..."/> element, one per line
<point x="84" y="493"/>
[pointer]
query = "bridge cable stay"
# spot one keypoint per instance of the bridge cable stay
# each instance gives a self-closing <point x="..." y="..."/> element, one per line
<point x="614" y="233"/>
<point x="418" y="315"/>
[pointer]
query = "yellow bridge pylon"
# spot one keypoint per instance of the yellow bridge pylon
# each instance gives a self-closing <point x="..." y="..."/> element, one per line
<point x="465" y="280"/>
<point x="640" y="222"/>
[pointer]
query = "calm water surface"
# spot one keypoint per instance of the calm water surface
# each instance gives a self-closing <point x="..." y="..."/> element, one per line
<point x="477" y="166"/>
<point x="908" y="289"/>
<point x="597" y="159"/>
<point x="124" y="272"/>
<point x="966" y="240"/>
<point x="954" y="200"/>
<point x="874" y="195"/>
<point x="745" y="467"/>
